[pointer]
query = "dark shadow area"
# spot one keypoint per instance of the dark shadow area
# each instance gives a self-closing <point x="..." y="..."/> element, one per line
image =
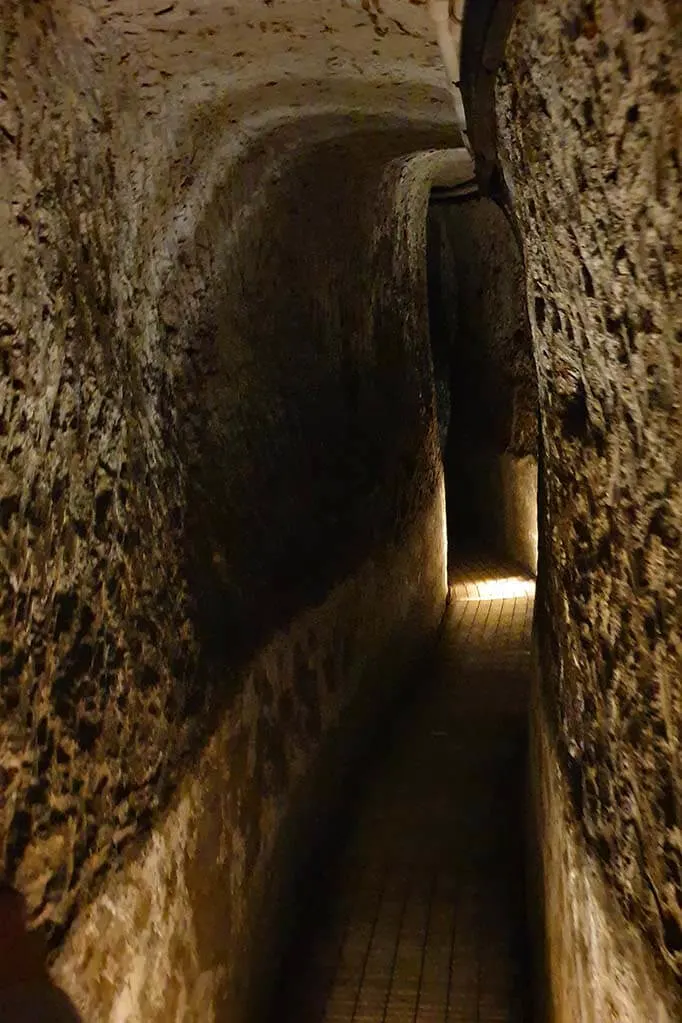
<point x="285" y="448"/>
<point x="318" y="865"/>
<point x="485" y="376"/>
<point x="412" y="898"/>
<point x="318" y="885"/>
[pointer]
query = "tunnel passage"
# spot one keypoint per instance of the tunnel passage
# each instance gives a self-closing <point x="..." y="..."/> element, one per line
<point x="575" y="122"/>
<point x="414" y="907"/>
<point x="222" y="499"/>
<point x="141" y="146"/>
<point x="486" y="380"/>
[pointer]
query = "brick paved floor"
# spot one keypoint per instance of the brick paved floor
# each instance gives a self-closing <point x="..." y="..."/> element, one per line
<point x="423" y="916"/>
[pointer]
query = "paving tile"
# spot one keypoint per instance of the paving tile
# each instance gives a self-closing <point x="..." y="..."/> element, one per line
<point x="428" y="919"/>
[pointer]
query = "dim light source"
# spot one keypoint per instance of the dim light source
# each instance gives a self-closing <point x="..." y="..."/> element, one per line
<point x="494" y="589"/>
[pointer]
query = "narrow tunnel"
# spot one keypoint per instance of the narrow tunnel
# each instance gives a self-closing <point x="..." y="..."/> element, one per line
<point x="412" y="903"/>
<point x="340" y="511"/>
<point x="414" y="907"/>
<point x="485" y="378"/>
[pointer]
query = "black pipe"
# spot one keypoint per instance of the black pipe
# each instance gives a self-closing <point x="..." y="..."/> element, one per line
<point x="454" y="193"/>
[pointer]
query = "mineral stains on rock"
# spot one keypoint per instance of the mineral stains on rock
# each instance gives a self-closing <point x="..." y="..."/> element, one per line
<point x="206" y="370"/>
<point x="589" y="118"/>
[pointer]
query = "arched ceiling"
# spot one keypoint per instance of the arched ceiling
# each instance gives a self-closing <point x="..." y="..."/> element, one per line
<point x="181" y="48"/>
<point x="203" y="83"/>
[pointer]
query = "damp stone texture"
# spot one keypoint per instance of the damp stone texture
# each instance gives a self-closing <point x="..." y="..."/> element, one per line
<point x="589" y="118"/>
<point x="213" y="343"/>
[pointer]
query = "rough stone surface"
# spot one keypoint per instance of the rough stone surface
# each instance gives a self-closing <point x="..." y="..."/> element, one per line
<point x="589" y="121"/>
<point x="213" y="345"/>
<point x="595" y="965"/>
<point x="191" y="926"/>
<point x="481" y="325"/>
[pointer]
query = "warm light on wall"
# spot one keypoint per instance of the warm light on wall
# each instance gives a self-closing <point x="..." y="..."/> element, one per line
<point x="444" y="522"/>
<point x="494" y="589"/>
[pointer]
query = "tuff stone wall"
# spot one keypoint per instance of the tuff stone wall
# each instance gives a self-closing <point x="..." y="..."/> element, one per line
<point x="589" y="120"/>
<point x="192" y="928"/>
<point x="593" y="963"/>
<point x="213" y="339"/>
<point x="92" y="615"/>
<point x="482" y="347"/>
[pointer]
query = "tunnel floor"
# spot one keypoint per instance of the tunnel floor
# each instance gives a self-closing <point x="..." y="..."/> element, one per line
<point x="420" y="914"/>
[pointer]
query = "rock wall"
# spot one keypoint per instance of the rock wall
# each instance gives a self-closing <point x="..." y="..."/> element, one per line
<point x="519" y="510"/>
<point x="92" y="612"/>
<point x="589" y="126"/>
<point x="191" y="929"/>
<point x="216" y="405"/>
<point x="482" y="346"/>
<point x="593" y="963"/>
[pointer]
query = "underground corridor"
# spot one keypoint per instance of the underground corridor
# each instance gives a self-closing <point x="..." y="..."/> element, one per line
<point x="411" y="904"/>
<point x="340" y="511"/>
<point x="418" y="911"/>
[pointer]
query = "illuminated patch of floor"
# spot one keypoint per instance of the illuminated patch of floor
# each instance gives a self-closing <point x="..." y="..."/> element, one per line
<point x="493" y="589"/>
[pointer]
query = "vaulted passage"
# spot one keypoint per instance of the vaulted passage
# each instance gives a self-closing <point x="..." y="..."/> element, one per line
<point x="302" y="303"/>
